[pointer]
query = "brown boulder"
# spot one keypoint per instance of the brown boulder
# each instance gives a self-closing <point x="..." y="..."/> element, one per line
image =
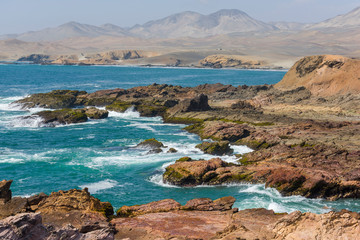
<point x="216" y="148"/>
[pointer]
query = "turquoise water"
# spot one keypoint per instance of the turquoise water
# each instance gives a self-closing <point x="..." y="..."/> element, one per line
<point x="99" y="154"/>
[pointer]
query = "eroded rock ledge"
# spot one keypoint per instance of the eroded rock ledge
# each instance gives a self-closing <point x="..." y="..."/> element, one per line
<point x="75" y="214"/>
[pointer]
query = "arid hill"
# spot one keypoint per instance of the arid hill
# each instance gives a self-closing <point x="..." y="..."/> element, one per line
<point x="324" y="75"/>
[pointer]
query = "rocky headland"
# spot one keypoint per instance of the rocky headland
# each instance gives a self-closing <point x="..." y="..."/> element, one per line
<point x="306" y="142"/>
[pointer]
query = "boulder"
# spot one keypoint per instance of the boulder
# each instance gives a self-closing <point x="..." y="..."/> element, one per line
<point x="5" y="192"/>
<point x="172" y="150"/>
<point x="95" y="113"/>
<point x="165" y="205"/>
<point x="216" y="148"/>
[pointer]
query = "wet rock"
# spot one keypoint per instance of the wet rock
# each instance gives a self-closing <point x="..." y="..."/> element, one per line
<point x="151" y="143"/>
<point x="95" y="113"/>
<point x="63" y="116"/>
<point x="55" y="99"/>
<point x="153" y="207"/>
<point x="216" y="148"/>
<point x="172" y="150"/>
<point x="5" y="192"/>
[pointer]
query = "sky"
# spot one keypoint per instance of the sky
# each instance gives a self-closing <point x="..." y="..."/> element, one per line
<point x="17" y="16"/>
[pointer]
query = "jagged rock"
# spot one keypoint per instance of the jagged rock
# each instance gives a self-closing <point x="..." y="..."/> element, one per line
<point x="14" y="206"/>
<point x="5" y="192"/>
<point x="206" y="204"/>
<point x="165" y="205"/>
<point x="29" y="226"/>
<point x="74" y="199"/>
<point x="199" y="103"/>
<point x="216" y="148"/>
<point x="95" y="113"/>
<point x="23" y="226"/>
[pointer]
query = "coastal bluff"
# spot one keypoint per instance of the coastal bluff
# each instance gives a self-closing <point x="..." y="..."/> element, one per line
<point x="324" y="75"/>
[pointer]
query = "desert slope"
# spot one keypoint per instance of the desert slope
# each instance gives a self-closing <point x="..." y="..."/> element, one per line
<point x="324" y="75"/>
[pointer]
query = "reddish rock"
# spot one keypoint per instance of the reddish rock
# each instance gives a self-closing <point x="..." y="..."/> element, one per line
<point x="206" y="204"/>
<point x="165" y="205"/>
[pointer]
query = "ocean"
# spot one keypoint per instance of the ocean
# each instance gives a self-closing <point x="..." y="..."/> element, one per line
<point x="100" y="154"/>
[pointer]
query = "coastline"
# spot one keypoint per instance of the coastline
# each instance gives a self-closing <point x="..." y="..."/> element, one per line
<point x="304" y="145"/>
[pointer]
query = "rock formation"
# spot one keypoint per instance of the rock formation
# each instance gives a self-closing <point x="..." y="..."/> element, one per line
<point x="324" y="75"/>
<point x="233" y="61"/>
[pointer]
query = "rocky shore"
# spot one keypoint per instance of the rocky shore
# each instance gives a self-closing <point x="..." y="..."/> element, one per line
<point x="75" y="214"/>
<point x="306" y="143"/>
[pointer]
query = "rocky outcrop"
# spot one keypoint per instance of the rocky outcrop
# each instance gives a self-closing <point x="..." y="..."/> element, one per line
<point x="324" y="75"/>
<point x="74" y="199"/>
<point x="153" y="145"/>
<point x="311" y="171"/>
<point x="36" y="59"/>
<point x="198" y="103"/>
<point x="30" y="226"/>
<point x="201" y="220"/>
<point x="216" y="148"/>
<point x="232" y="61"/>
<point x="55" y="99"/>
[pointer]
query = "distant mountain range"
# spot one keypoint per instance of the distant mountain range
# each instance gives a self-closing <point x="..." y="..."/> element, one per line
<point x="185" y="24"/>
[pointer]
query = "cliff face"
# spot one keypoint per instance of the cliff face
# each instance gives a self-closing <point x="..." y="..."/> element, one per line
<point x="324" y="75"/>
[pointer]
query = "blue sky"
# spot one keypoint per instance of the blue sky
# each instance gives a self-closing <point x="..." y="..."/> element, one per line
<point x="24" y="15"/>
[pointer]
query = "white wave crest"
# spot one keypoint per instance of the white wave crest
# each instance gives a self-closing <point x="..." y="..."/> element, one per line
<point x="99" y="186"/>
<point x="130" y="113"/>
<point x="28" y="122"/>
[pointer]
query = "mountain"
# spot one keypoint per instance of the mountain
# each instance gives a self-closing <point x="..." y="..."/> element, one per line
<point x="289" y="26"/>
<point x="192" y="24"/>
<point x="348" y="20"/>
<point x="71" y="30"/>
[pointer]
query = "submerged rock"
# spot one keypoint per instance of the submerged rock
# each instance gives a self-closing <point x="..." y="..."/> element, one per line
<point x="216" y="148"/>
